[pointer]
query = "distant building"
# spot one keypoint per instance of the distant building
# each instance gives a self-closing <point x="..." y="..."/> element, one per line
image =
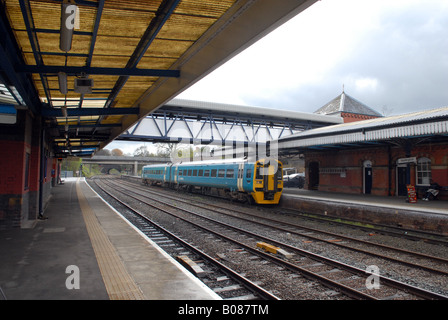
<point x="348" y="108"/>
<point x="379" y="156"/>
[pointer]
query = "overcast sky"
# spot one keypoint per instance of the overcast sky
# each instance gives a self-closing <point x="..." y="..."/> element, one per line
<point x="389" y="54"/>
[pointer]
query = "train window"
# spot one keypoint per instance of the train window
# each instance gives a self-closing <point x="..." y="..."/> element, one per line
<point x="200" y="173"/>
<point x="206" y="173"/>
<point x="189" y="172"/>
<point x="249" y="173"/>
<point x="180" y="173"/>
<point x="258" y="173"/>
<point x="221" y="173"/>
<point x="195" y="172"/>
<point x="230" y="173"/>
<point x="213" y="173"/>
<point x="279" y="173"/>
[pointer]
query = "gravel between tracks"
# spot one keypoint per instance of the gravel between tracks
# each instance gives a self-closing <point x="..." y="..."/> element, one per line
<point x="282" y="282"/>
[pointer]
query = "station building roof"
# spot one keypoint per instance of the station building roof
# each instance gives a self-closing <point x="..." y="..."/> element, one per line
<point x="348" y="104"/>
<point x="422" y="124"/>
<point x="140" y="55"/>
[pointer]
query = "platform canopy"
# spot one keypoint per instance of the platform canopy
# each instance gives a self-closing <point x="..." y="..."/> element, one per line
<point x="422" y="126"/>
<point x="139" y="54"/>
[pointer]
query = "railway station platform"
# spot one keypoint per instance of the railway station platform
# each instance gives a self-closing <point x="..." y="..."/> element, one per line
<point x="430" y="216"/>
<point x="85" y="250"/>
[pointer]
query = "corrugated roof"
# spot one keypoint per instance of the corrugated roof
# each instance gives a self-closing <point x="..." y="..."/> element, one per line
<point x="427" y="122"/>
<point x="256" y="111"/>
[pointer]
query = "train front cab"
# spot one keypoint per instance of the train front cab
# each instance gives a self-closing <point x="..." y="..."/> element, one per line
<point x="268" y="182"/>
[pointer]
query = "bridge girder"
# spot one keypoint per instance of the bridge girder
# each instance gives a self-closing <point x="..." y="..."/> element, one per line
<point x="218" y="126"/>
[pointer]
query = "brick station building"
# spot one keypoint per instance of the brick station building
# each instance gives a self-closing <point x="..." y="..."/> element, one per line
<point x="379" y="155"/>
<point x="28" y="169"/>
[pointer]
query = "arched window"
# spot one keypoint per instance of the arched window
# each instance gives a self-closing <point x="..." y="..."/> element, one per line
<point x="423" y="171"/>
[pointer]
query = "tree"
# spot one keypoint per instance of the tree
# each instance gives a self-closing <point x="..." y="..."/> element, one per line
<point x="165" y="149"/>
<point x="103" y="152"/>
<point x="117" y="152"/>
<point x="142" y="152"/>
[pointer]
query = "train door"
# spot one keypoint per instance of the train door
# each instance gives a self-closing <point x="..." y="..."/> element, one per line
<point x="175" y="174"/>
<point x="270" y="177"/>
<point x="240" y="177"/>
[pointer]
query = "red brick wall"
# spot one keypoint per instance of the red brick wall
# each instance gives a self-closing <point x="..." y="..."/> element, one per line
<point x="342" y="170"/>
<point x="12" y="169"/>
<point x="352" y="117"/>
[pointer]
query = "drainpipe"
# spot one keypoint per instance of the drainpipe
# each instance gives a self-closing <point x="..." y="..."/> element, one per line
<point x="390" y="171"/>
<point x="41" y="170"/>
<point x="408" y="149"/>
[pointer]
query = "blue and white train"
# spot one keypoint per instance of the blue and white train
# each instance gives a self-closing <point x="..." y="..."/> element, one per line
<point x="238" y="179"/>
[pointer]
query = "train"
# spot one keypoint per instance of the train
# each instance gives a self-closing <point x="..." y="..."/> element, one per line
<point x="257" y="182"/>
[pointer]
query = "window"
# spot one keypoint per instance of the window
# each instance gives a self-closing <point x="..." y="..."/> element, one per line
<point x="189" y="172"/>
<point x="279" y="173"/>
<point x="200" y="173"/>
<point x="180" y="173"/>
<point x="258" y="174"/>
<point x="249" y="173"/>
<point x="195" y="173"/>
<point x="230" y="173"/>
<point x="206" y="173"/>
<point x="423" y="171"/>
<point x="213" y="173"/>
<point x="221" y="173"/>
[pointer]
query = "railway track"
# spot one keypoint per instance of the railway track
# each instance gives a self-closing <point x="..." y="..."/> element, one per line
<point x="396" y="231"/>
<point x="328" y="272"/>
<point x="408" y="258"/>
<point x="227" y="283"/>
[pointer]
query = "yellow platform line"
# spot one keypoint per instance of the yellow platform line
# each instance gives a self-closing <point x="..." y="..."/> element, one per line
<point x="119" y="284"/>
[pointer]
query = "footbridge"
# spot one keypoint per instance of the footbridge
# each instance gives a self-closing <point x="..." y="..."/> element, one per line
<point x="199" y="122"/>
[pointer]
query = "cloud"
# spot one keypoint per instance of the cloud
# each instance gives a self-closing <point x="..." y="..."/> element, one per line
<point x="390" y="54"/>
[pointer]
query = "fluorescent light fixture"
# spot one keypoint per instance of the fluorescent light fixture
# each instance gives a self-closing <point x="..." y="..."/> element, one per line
<point x="62" y="78"/>
<point x="8" y="114"/>
<point x="68" y="15"/>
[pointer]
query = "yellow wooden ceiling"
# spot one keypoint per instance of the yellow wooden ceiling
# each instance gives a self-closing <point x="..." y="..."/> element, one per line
<point x="108" y="36"/>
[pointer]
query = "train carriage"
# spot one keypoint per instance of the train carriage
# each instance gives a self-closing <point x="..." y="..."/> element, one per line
<point x="155" y="174"/>
<point x="259" y="182"/>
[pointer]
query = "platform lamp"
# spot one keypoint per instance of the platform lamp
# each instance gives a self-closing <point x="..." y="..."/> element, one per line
<point x="62" y="79"/>
<point x="68" y="17"/>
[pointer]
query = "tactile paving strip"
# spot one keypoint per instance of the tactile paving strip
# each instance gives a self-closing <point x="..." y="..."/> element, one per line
<point x="119" y="284"/>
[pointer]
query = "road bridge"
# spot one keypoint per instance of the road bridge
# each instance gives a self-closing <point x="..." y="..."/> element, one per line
<point x="117" y="162"/>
